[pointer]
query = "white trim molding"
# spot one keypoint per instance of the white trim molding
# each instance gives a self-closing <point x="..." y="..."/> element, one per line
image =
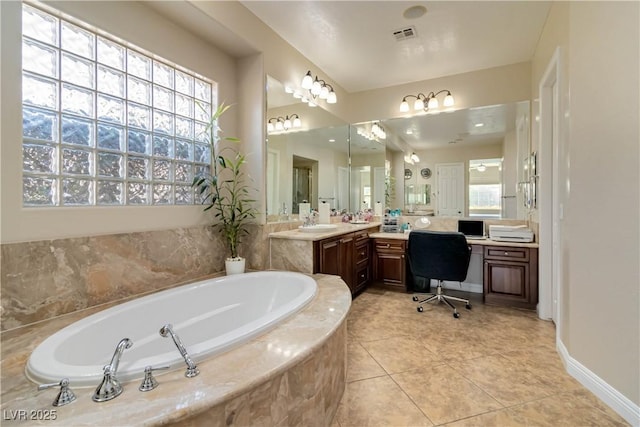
<point x="609" y="395"/>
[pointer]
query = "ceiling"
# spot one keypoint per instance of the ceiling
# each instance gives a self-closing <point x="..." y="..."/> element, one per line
<point x="353" y="42"/>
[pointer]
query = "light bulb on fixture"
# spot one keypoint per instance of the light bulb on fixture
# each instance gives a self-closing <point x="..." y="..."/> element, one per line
<point x="324" y="92"/>
<point x="433" y="103"/>
<point x="270" y="127"/>
<point x="307" y="80"/>
<point x="415" y="157"/>
<point x="316" y="88"/>
<point x="332" y="98"/>
<point x="481" y="168"/>
<point x="448" y="100"/>
<point x="297" y="122"/>
<point x="287" y="123"/>
<point x="279" y="125"/>
<point x="404" y="106"/>
<point x="419" y="104"/>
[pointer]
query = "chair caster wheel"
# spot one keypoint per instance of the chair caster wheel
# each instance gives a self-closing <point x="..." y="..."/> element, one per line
<point x="456" y="315"/>
<point x="420" y="309"/>
<point x="468" y="306"/>
<point x="415" y="298"/>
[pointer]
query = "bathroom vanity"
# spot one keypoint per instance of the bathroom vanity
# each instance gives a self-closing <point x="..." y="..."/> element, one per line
<point x="344" y="251"/>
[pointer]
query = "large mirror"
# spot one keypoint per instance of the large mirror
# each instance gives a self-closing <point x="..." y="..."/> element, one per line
<point x="461" y="163"/>
<point x="307" y="161"/>
<point x="369" y="171"/>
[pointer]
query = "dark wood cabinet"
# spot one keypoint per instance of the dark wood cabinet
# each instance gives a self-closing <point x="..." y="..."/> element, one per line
<point x="511" y="276"/>
<point x="346" y="256"/>
<point x="390" y="263"/>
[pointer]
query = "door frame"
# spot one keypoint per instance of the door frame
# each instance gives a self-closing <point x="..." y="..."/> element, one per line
<point x="550" y="207"/>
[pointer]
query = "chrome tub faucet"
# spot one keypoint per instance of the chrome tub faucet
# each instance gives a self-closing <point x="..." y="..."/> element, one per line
<point x="192" y="369"/>
<point x="110" y="387"/>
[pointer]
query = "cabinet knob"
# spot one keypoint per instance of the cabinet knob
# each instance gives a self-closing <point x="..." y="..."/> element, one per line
<point x="388" y="245"/>
<point x="362" y="253"/>
<point x="362" y="275"/>
<point x="506" y="253"/>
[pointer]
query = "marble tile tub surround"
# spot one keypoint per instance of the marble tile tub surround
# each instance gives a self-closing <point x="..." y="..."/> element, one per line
<point x="44" y="279"/>
<point x="294" y="374"/>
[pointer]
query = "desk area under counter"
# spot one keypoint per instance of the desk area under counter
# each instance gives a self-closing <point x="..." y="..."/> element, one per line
<point x="509" y="269"/>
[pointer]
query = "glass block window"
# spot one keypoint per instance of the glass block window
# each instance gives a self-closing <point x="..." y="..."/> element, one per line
<point x="105" y="123"/>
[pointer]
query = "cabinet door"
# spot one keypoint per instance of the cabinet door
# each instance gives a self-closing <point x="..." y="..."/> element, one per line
<point x="346" y="261"/>
<point x="507" y="282"/>
<point x="336" y="257"/>
<point x="330" y="256"/>
<point x="389" y="262"/>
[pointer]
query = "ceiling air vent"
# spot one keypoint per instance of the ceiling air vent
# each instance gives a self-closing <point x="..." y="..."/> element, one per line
<point x="404" y="33"/>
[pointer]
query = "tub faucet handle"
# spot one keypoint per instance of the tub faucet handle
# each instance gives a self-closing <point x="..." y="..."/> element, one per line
<point x="149" y="382"/>
<point x="110" y="388"/>
<point x="65" y="396"/>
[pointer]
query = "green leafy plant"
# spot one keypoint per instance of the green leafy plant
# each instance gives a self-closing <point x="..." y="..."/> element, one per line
<point x="225" y="190"/>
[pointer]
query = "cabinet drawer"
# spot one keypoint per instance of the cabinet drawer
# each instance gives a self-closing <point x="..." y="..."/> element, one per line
<point x="362" y="277"/>
<point x="362" y="253"/>
<point x="507" y="253"/>
<point x="361" y="236"/>
<point x="390" y="245"/>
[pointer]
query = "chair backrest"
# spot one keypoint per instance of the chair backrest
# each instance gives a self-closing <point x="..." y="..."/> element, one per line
<point x="441" y="255"/>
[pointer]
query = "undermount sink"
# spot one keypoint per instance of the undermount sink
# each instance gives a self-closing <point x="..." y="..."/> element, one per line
<point x="318" y="228"/>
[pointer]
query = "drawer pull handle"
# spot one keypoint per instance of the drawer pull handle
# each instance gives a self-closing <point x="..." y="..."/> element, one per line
<point x="506" y="253"/>
<point x="362" y="275"/>
<point x="361" y="253"/>
<point x="388" y="245"/>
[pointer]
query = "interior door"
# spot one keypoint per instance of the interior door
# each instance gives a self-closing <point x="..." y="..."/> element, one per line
<point x="450" y="183"/>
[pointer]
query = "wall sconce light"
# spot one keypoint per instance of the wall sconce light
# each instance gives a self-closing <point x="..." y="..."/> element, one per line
<point x="283" y="123"/>
<point x="481" y="168"/>
<point x="426" y="102"/>
<point x="319" y="88"/>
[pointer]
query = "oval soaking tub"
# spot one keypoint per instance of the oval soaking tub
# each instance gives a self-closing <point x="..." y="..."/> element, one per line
<point x="209" y="316"/>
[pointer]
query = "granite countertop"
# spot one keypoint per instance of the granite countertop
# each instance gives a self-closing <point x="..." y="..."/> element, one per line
<point x="177" y="397"/>
<point x="482" y="242"/>
<point x="341" y="228"/>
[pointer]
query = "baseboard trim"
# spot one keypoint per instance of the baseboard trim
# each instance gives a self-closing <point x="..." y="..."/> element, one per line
<point x="609" y="395"/>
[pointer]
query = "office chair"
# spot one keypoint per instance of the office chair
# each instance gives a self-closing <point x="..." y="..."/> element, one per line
<point x="442" y="256"/>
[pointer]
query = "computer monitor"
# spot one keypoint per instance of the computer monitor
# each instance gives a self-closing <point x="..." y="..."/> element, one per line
<point x="471" y="228"/>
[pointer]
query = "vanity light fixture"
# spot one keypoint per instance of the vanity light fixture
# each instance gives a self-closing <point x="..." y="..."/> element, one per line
<point x="426" y="102"/>
<point x="319" y="88"/>
<point x="283" y="123"/>
<point x="412" y="159"/>
<point x="378" y="131"/>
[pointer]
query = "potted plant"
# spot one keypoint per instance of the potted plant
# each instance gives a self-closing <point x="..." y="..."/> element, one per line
<point x="226" y="192"/>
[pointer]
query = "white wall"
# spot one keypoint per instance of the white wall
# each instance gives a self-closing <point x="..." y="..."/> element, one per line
<point x="604" y="288"/>
<point x="599" y="159"/>
<point x="157" y="35"/>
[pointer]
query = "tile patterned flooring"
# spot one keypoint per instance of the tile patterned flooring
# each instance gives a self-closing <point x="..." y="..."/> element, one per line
<point x="493" y="366"/>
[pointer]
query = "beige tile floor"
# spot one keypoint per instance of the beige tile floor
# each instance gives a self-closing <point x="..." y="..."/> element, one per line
<point x="493" y="366"/>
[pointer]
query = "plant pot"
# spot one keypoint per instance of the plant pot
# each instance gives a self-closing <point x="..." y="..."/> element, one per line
<point x="234" y="265"/>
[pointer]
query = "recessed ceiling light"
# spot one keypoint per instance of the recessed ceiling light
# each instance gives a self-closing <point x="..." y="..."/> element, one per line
<point x="479" y="125"/>
<point x="332" y="140"/>
<point x="414" y="12"/>
<point x="409" y="132"/>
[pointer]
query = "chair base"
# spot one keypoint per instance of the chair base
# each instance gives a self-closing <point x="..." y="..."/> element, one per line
<point x="439" y="296"/>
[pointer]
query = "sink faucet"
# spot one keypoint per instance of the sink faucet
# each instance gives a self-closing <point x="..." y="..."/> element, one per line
<point x="110" y="387"/>
<point x="192" y="369"/>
